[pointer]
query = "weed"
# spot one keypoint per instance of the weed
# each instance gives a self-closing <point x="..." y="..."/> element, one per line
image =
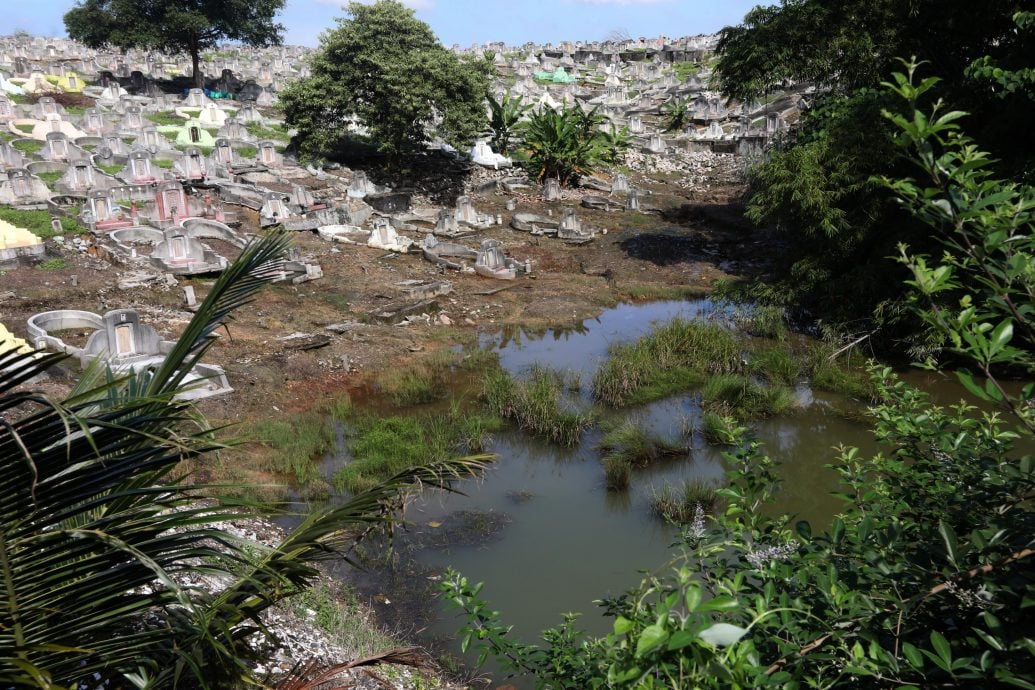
<point x="776" y="363"/>
<point x="38" y="222"/>
<point x="744" y="397"/>
<point x="50" y="177"/>
<point x="52" y="264"/>
<point x="384" y="446"/>
<point x="720" y="429"/>
<point x="25" y="128"/>
<point x="247" y="152"/>
<point x="335" y="609"/>
<point x="163" y="163"/>
<point x="536" y="404"/>
<point x="643" y="293"/>
<point x="110" y="169"/>
<point x="832" y="375"/>
<point x="28" y="146"/>
<point x="672" y="358"/>
<point x="298" y="442"/>
<point x="631" y="445"/>
<point x="680" y="504"/>
<point x="764" y="321"/>
<point x="165" y="118"/>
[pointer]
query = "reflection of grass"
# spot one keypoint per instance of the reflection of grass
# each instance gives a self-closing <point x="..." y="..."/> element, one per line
<point x="536" y="404"/>
<point x="672" y="358"/>
<point x="680" y="504"/>
<point x="38" y="222"/>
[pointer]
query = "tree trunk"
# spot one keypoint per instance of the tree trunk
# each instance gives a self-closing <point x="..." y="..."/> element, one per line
<point x="199" y="77"/>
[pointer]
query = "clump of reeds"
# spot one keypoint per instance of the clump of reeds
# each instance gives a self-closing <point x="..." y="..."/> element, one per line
<point x="536" y="403"/>
<point x="674" y="357"/>
<point x="679" y="504"/>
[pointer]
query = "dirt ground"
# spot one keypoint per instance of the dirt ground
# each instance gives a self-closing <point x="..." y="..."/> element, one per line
<point x="694" y="239"/>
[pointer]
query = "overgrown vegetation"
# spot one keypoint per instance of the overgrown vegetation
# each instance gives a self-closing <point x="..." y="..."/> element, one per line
<point x="682" y="504"/>
<point x="626" y="447"/>
<point x="924" y="577"/>
<point x="537" y="403"/>
<point x="381" y="447"/>
<point x="39" y="222"/>
<point x="568" y="143"/>
<point x="675" y="357"/>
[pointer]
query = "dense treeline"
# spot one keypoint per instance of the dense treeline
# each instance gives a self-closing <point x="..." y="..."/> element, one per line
<point x="836" y="227"/>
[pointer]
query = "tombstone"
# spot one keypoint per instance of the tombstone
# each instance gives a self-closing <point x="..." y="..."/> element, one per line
<point x="139" y="168"/>
<point x="274" y="208"/>
<point x="446" y="223"/>
<point x="465" y="211"/>
<point x="570" y="222"/>
<point x="657" y="144"/>
<point x="632" y="203"/>
<point x="552" y="189"/>
<point x="46" y="106"/>
<point x="6" y="109"/>
<point x="635" y="124"/>
<point x="57" y="147"/>
<point x="189" y="297"/>
<point x="21" y="182"/>
<point x="191" y="164"/>
<point x="195" y="98"/>
<point x="212" y="115"/>
<point x="134" y="118"/>
<point x="223" y="153"/>
<point x="150" y="139"/>
<point x="10" y="157"/>
<point x="268" y="155"/>
<point x="79" y="177"/>
<point x="512" y="204"/>
<point x="619" y="184"/>
<point x="171" y="202"/>
<point x="774" y="123"/>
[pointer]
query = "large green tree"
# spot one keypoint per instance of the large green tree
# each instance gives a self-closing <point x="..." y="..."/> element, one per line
<point x="175" y="26"/>
<point x="834" y="225"/>
<point x="386" y="69"/>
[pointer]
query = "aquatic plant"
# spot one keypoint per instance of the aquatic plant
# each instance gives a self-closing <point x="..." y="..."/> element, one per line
<point x="536" y="403"/>
<point x="682" y="504"/>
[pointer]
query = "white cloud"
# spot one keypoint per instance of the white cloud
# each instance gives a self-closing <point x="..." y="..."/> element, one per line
<point x="620" y="2"/>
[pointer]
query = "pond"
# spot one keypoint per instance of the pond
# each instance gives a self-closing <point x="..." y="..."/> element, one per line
<point x="541" y="529"/>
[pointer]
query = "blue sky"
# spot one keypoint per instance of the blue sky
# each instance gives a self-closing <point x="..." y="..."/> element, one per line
<point x="469" y="21"/>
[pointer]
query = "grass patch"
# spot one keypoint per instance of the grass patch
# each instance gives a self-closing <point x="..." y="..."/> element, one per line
<point x="685" y="70"/>
<point x="38" y="222"/>
<point x="385" y="446"/>
<point x="673" y="358"/>
<point x="276" y="132"/>
<point x="720" y="429"/>
<point x="638" y="293"/>
<point x="28" y="147"/>
<point x="50" y="177"/>
<point x="745" y="398"/>
<point x="165" y="118"/>
<point x="163" y="163"/>
<point x="52" y="264"/>
<point x="682" y="504"/>
<point x="247" y="152"/>
<point x="114" y="169"/>
<point x="836" y="377"/>
<point x="25" y="128"/>
<point x="633" y="446"/>
<point x="298" y="443"/>
<point x="776" y="364"/>
<point x="537" y="404"/>
<point x="426" y="379"/>
<point x="763" y="321"/>
<point x="335" y="609"/>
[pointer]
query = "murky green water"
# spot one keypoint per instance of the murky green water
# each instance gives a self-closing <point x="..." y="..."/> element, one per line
<point x="568" y="540"/>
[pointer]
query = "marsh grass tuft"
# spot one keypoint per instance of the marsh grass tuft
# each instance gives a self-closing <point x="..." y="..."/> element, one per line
<point x="673" y="358"/>
<point x="384" y="446"/>
<point x="617" y="473"/>
<point x="745" y="398"/>
<point x="837" y="377"/>
<point x="633" y="446"/>
<point x="776" y="364"/>
<point x="537" y="404"/>
<point x="426" y="379"/>
<point x="678" y="504"/>
<point x="297" y="443"/>
<point x="720" y="429"/>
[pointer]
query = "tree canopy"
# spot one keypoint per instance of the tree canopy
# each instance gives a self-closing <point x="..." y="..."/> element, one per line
<point x="386" y="69"/>
<point x="175" y="26"/>
<point x="833" y="224"/>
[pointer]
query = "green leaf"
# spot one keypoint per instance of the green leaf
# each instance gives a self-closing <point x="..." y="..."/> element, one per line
<point x="622" y="625"/>
<point x="941" y="646"/>
<point x="680" y="639"/>
<point x="722" y="634"/>
<point x="913" y="656"/>
<point x="720" y="603"/>
<point x="652" y="637"/>
<point x="949" y="539"/>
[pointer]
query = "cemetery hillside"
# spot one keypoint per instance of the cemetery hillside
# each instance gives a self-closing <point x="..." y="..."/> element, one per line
<point x="333" y="355"/>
